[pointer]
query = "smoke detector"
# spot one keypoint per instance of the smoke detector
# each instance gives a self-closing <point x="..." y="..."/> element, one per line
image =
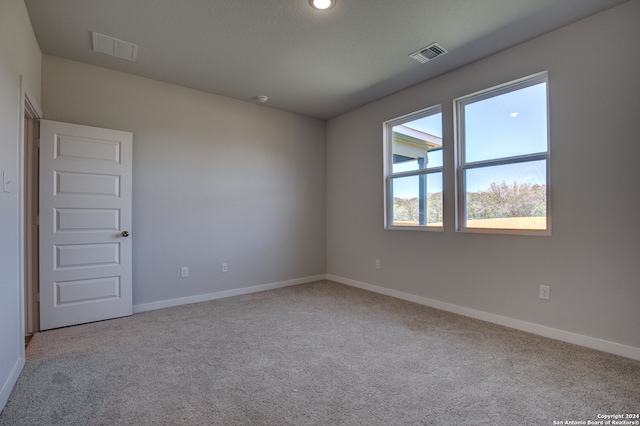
<point x="428" y="53"/>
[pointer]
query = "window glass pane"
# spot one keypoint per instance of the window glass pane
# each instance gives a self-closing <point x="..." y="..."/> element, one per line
<point x="433" y="183"/>
<point x="507" y="125"/>
<point x="405" y="201"/>
<point x="417" y="200"/>
<point x="417" y="144"/>
<point x="511" y="196"/>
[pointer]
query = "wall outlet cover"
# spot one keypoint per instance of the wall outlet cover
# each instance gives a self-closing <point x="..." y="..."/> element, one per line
<point x="545" y="292"/>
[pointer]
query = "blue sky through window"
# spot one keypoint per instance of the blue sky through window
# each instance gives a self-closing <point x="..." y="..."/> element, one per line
<point x="431" y="124"/>
<point x="507" y="125"/>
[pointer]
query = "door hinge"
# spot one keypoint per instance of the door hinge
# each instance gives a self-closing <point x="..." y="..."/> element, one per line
<point x="36" y="220"/>
<point x="36" y="142"/>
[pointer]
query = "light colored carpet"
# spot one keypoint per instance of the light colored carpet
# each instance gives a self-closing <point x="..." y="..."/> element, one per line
<point x="313" y="354"/>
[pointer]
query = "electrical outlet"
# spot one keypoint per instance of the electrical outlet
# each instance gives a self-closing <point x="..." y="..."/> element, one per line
<point x="184" y="272"/>
<point x="225" y="267"/>
<point x="377" y="263"/>
<point x="545" y="291"/>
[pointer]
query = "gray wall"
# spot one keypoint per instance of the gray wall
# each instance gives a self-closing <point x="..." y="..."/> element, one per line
<point x="592" y="260"/>
<point x="214" y="180"/>
<point x="19" y="55"/>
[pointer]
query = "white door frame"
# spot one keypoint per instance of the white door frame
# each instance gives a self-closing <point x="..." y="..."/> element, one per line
<point x="31" y="172"/>
<point x="30" y="107"/>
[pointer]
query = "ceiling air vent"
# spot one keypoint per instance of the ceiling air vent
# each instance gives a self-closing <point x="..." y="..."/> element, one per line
<point x="428" y="53"/>
<point x="114" y="47"/>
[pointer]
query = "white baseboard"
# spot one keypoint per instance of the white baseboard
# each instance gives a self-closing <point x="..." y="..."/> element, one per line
<point x="565" y="336"/>
<point x="8" y="385"/>
<point x="221" y="294"/>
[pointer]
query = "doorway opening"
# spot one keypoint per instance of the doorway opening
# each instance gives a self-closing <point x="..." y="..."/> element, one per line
<point x="30" y="178"/>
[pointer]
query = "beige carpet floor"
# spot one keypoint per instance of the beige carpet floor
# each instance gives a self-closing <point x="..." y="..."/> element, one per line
<point x="313" y="354"/>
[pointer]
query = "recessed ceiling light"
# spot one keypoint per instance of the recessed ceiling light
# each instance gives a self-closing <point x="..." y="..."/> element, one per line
<point x="322" y="4"/>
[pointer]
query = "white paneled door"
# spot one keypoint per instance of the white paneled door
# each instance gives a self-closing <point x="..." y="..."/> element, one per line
<point x="85" y="224"/>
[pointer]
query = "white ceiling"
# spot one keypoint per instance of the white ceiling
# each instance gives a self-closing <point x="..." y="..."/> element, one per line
<point x="316" y="63"/>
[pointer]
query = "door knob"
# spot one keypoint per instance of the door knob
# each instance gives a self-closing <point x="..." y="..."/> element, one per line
<point x="125" y="233"/>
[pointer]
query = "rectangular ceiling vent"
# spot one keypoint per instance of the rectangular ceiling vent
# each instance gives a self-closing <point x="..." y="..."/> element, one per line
<point x="428" y="53"/>
<point x="114" y="47"/>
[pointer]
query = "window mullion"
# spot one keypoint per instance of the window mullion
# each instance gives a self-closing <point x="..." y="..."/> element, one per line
<point x="506" y="160"/>
<point x="415" y="172"/>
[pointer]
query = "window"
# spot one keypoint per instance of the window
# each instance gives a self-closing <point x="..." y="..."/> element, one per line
<point x="503" y="159"/>
<point x="413" y="171"/>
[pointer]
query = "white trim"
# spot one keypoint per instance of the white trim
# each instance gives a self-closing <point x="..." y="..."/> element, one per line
<point x="143" y="307"/>
<point x="21" y="230"/>
<point x="7" y="386"/>
<point x="27" y="102"/>
<point x="32" y="103"/>
<point x="541" y="330"/>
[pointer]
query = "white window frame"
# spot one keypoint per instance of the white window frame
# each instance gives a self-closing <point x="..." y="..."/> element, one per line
<point x="462" y="166"/>
<point x="388" y="169"/>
